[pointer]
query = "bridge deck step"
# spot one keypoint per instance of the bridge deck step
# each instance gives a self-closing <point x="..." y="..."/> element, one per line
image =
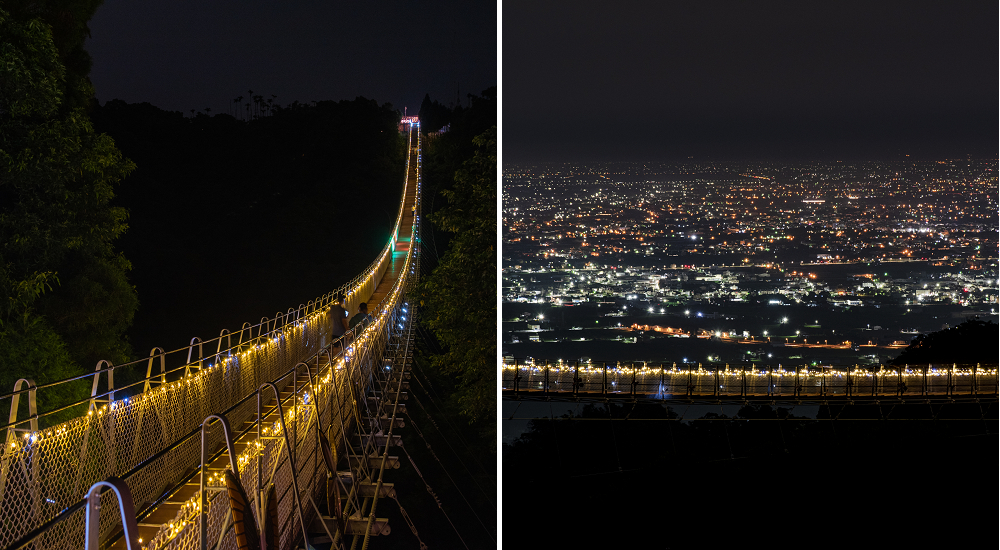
<point x="400" y="407"/>
<point x="375" y="461"/>
<point x="388" y="396"/>
<point x="353" y="527"/>
<point x="383" y="421"/>
<point x="379" y="440"/>
<point x="403" y="396"/>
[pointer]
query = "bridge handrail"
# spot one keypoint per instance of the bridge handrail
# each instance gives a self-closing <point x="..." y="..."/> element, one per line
<point x="66" y="513"/>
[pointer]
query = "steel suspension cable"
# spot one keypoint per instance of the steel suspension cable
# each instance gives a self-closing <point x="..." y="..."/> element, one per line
<point x="434" y="496"/>
<point x="485" y="493"/>
<point x="455" y="430"/>
<point x="409" y="522"/>
<point x="416" y="429"/>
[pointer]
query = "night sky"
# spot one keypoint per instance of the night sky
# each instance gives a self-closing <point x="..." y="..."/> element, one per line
<point x="185" y="54"/>
<point x="626" y="80"/>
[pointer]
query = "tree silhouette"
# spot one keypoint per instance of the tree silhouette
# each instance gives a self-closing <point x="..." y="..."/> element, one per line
<point x="67" y="300"/>
<point x="970" y="342"/>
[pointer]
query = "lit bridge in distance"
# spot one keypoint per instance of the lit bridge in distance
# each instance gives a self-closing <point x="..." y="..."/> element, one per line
<point x="563" y="380"/>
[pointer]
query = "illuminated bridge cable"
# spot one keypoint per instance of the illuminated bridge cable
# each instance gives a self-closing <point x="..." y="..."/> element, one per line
<point x="473" y="510"/>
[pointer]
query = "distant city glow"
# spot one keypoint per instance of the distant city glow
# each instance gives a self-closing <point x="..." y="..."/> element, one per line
<point x="741" y="254"/>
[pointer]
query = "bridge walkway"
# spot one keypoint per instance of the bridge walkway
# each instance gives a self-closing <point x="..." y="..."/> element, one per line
<point x="151" y="521"/>
<point x="404" y="238"/>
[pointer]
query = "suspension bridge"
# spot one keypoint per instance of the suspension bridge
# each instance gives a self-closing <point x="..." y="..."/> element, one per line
<point x="531" y="379"/>
<point x="277" y="435"/>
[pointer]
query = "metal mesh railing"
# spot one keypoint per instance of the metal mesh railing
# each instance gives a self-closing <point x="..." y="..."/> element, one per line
<point x="339" y="391"/>
<point x="718" y="380"/>
<point x="146" y="433"/>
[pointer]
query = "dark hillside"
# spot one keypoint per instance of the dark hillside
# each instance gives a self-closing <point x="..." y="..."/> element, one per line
<point x="230" y="221"/>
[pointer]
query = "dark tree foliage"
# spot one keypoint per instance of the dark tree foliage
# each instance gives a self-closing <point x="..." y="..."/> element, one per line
<point x="67" y="20"/>
<point x="971" y="342"/>
<point x="433" y="115"/>
<point x="459" y="296"/>
<point x="762" y="469"/>
<point x="445" y="154"/>
<point x="67" y="299"/>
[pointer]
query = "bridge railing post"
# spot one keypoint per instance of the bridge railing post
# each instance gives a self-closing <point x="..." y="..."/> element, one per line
<point x="153" y="354"/>
<point x="246" y="326"/>
<point x="98" y="369"/>
<point x="517" y="377"/>
<point x="263" y="326"/>
<point x="187" y="365"/>
<point x="32" y="420"/>
<point x="233" y="463"/>
<point x="633" y="380"/>
<point x="125" y="506"/>
<point x="218" y="347"/>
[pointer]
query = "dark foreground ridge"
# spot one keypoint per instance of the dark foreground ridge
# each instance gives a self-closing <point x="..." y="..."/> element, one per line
<point x="682" y="474"/>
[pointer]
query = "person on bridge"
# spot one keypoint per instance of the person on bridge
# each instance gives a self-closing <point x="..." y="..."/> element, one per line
<point x="339" y="316"/>
<point x="361" y="316"/>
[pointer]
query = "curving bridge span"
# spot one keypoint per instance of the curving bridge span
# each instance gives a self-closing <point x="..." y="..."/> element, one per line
<point x="274" y="436"/>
